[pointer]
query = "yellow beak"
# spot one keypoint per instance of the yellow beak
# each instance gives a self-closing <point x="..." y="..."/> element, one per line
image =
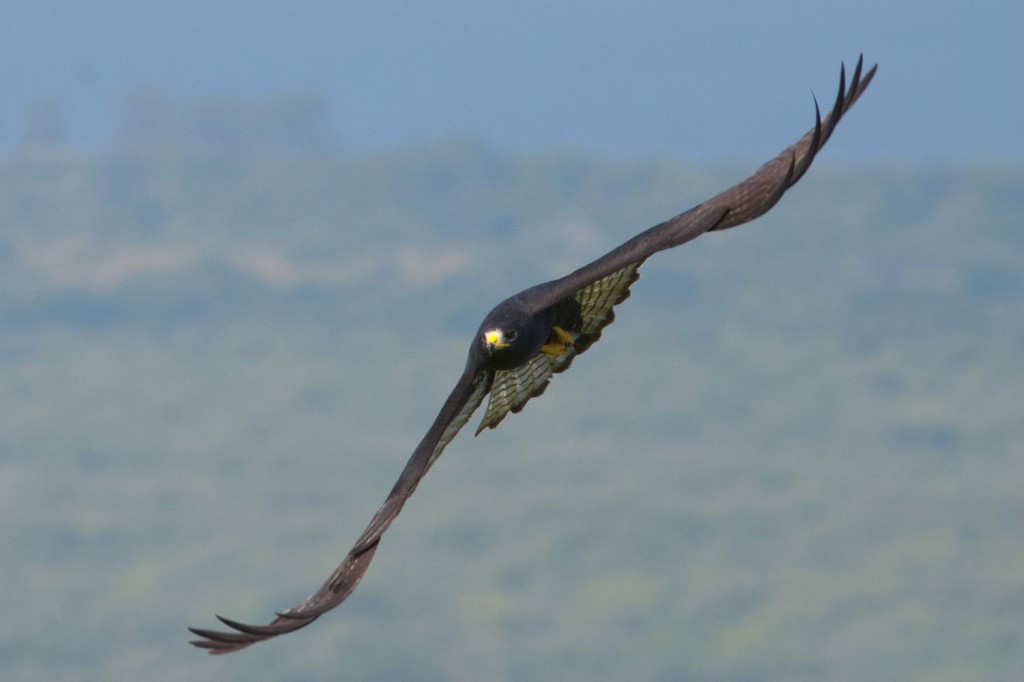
<point x="495" y="339"/>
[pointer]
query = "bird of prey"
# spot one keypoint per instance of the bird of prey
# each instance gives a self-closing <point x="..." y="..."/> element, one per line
<point x="538" y="332"/>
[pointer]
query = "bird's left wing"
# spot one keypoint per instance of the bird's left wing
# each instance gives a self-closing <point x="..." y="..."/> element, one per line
<point x="461" y="403"/>
<point x="597" y="287"/>
<point x="734" y="206"/>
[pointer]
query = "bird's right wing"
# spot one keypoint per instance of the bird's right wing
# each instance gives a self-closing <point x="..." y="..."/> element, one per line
<point x="461" y="403"/>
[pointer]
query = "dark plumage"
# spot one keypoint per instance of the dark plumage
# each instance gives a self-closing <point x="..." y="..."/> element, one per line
<point x="537" y="333"/>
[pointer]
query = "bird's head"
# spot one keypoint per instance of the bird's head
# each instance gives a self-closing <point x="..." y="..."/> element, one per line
<point x="506" y="346"/>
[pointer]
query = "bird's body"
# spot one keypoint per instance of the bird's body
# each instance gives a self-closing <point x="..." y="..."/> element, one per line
<point x="537" y="333"/>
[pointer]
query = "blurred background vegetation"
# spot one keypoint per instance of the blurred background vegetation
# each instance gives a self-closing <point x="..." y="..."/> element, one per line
<point x="796" y="455"/>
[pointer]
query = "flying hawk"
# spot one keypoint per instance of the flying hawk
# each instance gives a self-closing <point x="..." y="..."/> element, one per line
<point x="537" y="333"/>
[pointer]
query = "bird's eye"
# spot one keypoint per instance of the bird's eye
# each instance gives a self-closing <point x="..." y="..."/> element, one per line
<point x="510" y="336"/>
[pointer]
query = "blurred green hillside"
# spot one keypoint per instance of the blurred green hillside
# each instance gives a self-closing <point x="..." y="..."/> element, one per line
<point x="798" y="454"/>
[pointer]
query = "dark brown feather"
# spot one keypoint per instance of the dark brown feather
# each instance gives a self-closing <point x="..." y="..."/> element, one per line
<point x="739" y="204"/>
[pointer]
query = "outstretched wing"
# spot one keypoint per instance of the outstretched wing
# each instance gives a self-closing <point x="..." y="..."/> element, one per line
<point x="591" y="312"/>
<point x="461" y="403"/>
<point x="604" y="283"/>
<point x="739" y="204"/>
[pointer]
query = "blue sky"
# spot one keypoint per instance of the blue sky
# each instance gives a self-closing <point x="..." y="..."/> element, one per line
<point x="693" y="81"/>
